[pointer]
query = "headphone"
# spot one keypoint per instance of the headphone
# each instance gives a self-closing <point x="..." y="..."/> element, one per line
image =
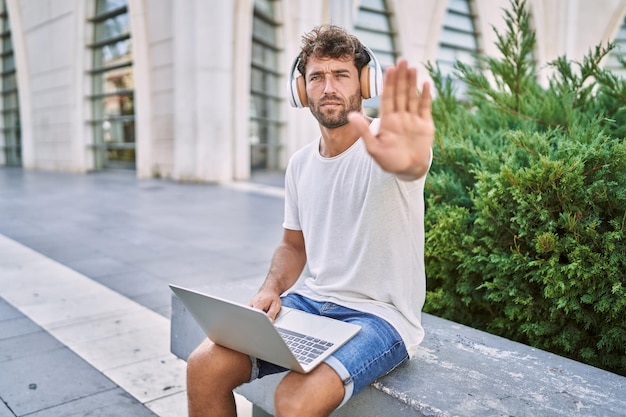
<point x="371" y="81"/>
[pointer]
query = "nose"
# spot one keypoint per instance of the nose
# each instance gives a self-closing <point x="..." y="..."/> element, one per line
<point x="329" y="84"/>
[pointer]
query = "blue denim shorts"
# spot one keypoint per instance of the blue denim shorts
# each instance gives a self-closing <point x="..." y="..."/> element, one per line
<point x="375" y="351"/>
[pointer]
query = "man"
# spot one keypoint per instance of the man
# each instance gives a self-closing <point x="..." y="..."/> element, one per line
<point x="354" y="216"/>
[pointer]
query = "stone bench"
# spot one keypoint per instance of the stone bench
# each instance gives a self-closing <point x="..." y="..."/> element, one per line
<point x="458" y="371"/>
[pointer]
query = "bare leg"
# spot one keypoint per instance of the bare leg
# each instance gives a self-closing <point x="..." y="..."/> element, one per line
<point x="316" y="394"/>
<point x="213" y="372"/>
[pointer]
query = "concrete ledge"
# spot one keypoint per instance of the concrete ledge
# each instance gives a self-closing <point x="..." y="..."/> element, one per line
<point x="458" y="371"/>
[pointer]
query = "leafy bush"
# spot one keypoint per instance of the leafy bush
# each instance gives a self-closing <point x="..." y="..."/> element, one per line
<point x="526" y="201"/>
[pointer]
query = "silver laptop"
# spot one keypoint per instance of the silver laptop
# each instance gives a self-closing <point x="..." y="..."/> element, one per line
<point x="295" y="340"/>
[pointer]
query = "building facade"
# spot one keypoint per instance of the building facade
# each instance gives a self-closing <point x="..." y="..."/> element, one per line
<point x="195" y="90"/>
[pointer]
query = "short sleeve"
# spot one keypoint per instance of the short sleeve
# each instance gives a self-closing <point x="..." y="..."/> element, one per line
<point x="291" y="219"/>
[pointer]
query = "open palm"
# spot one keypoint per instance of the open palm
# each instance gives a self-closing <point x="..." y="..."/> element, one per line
<point x="403" y="142"/>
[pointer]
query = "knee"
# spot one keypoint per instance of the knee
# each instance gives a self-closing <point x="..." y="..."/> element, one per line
<point x="211" y="363"/>
<point x="201" y="355"/>
<point x="200" y="362"/>
<point x="317" y="393"/>
<point x="288" y="402"/>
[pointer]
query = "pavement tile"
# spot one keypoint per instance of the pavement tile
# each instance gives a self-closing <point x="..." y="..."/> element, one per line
<point x="126" y="348"/>
<point x="40" y="292"/>
<point x="127" y="252"/>
<point x="93" y="329"/>
<point x="99" y="265"/>
<point x="26" y="345"/>
<point x="110" y="403"/>
<point x="174" y="406"/>
<point x="5" y="411"/>
<point x="157" y="301"/>
<point x="132" y="283"/>
<point x="166" y="377"/>
<point x="169" y="266"/>
<point x="47" y="379"/>
<point x="223" y="267"/>
<point x="77" y="309"/>
<point x="19" y="326"/>
<point x="59" y="246"/>
<point x="34" y="273"/>
<point x="239" y="290"/>
<point x="7" y="311"/>
<point x="66" y="253"/>
<point x="19" y="229"/>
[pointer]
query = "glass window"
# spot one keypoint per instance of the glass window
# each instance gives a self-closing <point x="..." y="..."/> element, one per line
<point x="103" y="6"/>
<point x="462" y="41"/>
<point x="378" y="5"/>
<point x="264" y="6"/>
<point x="376" y="42"/>
<point x="112" y="27"/>
<point x="459" y="6"/>
<point x="373" y="20"/>
<point x="458" y="22"/>
<point x="10" y="134"/>
<point x="265" y="102"/>
<point x="459" y="41"/>
<point x="613" y="59"/>
<point x="112" y="86"/>
<point x="374" y="28"/>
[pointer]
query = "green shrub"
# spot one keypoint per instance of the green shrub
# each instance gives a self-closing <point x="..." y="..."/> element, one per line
<point x="526" y="201"/>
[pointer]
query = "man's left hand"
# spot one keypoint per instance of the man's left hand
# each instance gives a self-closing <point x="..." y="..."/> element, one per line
<point x="407" y="131"/>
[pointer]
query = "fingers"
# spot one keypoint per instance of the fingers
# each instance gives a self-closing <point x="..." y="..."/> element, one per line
<point x="361" y="124"/>
<point x="271" y="306"/>
<point x="402" y="84"/>
<point x="424" y="108"/>
<point x="400" y="90"/>
<point x="274" y="309"/>
<point x="388" y="98"/>
<point x="413" y="97"/>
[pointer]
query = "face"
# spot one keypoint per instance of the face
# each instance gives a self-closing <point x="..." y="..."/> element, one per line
<point x="333" y="90"/>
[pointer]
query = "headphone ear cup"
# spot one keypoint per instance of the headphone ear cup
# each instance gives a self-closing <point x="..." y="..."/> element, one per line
<point x="301" y="91"/>
<point x="297" y="97"/>
<point x="366" y="82"/>
<point x="371" y="77"/>
<point x="297" y="89"/>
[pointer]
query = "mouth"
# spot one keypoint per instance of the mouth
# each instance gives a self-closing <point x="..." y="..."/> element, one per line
<point x="331" y="100"/>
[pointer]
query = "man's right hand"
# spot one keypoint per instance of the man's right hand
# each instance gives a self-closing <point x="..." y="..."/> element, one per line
<point x="267" y="301"/>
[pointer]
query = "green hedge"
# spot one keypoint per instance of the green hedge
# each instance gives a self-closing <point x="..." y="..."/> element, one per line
<point x="526" y="201"/>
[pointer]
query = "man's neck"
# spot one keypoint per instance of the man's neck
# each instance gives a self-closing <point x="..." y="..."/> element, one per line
<point x="337" y="140"/>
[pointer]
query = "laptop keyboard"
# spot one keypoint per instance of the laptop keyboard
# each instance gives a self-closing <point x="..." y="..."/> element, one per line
<point x="305" y="348"/>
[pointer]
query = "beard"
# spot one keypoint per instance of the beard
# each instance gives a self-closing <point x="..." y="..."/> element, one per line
<point x="335" y="117"/>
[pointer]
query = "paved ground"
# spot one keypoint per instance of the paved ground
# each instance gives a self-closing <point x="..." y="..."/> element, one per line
<point x="84" y="265"/>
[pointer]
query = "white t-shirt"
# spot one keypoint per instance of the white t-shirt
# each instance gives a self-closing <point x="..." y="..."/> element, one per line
<point x="364" y="235"/>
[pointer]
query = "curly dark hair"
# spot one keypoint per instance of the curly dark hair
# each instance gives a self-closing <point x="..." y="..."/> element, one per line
<point x="330" y="41"/>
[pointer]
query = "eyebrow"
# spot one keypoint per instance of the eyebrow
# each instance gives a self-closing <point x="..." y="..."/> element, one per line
<point x="334" y="71"/>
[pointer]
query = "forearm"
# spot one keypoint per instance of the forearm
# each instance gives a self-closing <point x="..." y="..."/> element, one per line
<point x="286" y="266"/>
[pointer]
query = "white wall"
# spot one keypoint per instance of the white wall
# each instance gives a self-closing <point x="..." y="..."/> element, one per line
<point x="44" y="35"/>
<point x="144" y="74"/>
